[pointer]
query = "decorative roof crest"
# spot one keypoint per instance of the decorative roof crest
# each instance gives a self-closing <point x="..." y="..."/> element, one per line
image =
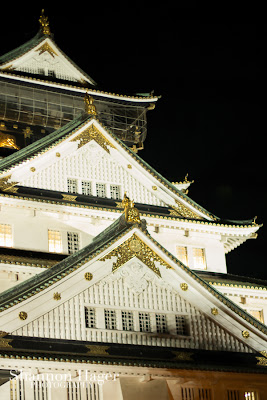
<point x="44" y="24"/>
<point x="90" y="108"/>
<point x="131" y="213"/>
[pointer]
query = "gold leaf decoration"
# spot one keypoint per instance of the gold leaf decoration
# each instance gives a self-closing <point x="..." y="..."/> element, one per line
<point x="23" y="315"/>
<point x="134" y="247"/>
<point x="5" y="185"/>
<point x="88" y="276"/>
<point x="181" y="210"/>
<point x="184" y="286"/>
<point x="245" y="334"/>
<point x="92" y="133"/>
<point x="97" y="350"/>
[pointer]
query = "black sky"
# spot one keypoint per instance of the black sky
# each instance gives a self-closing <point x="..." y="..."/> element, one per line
<point x="209" y="68"/>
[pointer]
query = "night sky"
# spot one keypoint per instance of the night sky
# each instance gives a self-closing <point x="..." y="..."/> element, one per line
<point x="209" y="69"/>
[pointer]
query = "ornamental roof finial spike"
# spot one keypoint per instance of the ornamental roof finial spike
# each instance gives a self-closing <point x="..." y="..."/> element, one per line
<point x="90" y="108"/>
<point x="44" y="24"/>
<point x="131" y="213"/>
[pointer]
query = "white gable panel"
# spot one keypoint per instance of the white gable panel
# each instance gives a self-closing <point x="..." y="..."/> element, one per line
<point x="46" y="64"/>
<point x="133" y="288"/>
<point x="93" y="164"/>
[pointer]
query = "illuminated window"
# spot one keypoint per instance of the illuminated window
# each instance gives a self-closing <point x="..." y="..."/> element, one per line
<point x="73" y="242"/>
<point x="127" y="320"/>
<point x="100" y="190"/>
<point x="182" y="254"/>
<point x="72" y="185"/>
<point x="181" y="325"/>
<point x="161" y="323"/>
<point x="251" y="396"/>
<point x="115" y="192"/>
<point x="87" y="188"/>
<point x="144" y="322"/>
<point x="6" y="235"/>
<point x="110" y="319"/>
<point x="90" y="319"/>
<point x="54" y="241"/>
<point x="199" y="260"/>
<point x="258" y="314"/>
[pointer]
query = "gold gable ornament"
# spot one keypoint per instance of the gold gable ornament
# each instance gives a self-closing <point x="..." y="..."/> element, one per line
<point x="132" y="215"/>
<point x="8" y="141"/>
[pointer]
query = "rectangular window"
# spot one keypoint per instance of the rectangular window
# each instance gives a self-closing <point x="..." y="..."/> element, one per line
<point x="54" y="241"/>
<point x="6" y="235"/>
<point x="72" y="185"/>
<point x="73" y="242"/>
<point x="100" y="190"/>
<point x="90" y="319"/>
<point x="161" y="323"/>
<point x="258" y="314"/>
<point x="127" y="320"/>
<point x="240" y="394"/>
<point x="110" y="319"/>
<point x="199" y="260"/>
<point x="144" y="322"/>
<point x="181" y="325"/>
<point x="182" y="254"/>
<point x="115" y="192"/>
<point x="87" y="188"/>
<point x="251" y="396"/>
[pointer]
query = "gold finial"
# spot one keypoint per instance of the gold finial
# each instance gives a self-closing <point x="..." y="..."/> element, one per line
<point x="90" y="108"/>
<point x="254" y="220"/>
<point x="44" y="23"/>
<point x="131" y="213"/>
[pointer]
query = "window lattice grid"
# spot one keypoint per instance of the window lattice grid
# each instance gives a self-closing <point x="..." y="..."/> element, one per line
<point x="115" y="192"/>
<point x="182" y="254"/>
<point x="90" y="317"/>
<point x="54" y="241"/>
<point x="72" y="185"/>
<point x="181" y="325"/>
<point x="6" y="235"/>
<point x="100" y="190"/>
<point x="127" y="320"/>
<point x="144" y="322"/>
<point x="73" y="242"/>
<point x="161" y="323"/>
<point x="110" y="319"/>
<point x="199" y="260"/>
<point x="87" y="188"/>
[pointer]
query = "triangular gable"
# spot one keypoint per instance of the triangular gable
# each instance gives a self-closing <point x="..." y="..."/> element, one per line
<point x="79" y="136"/>
<point x="41" y="56"/>
<point x="121" y="258"/>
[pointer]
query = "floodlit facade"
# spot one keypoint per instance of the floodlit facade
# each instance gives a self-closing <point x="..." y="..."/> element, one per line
<point x="113" y="281"/>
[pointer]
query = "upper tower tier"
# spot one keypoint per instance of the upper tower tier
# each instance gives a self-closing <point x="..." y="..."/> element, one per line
<point x="41" y="89"/>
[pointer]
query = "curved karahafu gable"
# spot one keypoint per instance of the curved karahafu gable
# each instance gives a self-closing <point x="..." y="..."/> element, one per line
<point x="109" y="256"/>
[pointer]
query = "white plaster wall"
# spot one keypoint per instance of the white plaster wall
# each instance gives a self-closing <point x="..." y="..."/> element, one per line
<point x="214" y="249"/>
